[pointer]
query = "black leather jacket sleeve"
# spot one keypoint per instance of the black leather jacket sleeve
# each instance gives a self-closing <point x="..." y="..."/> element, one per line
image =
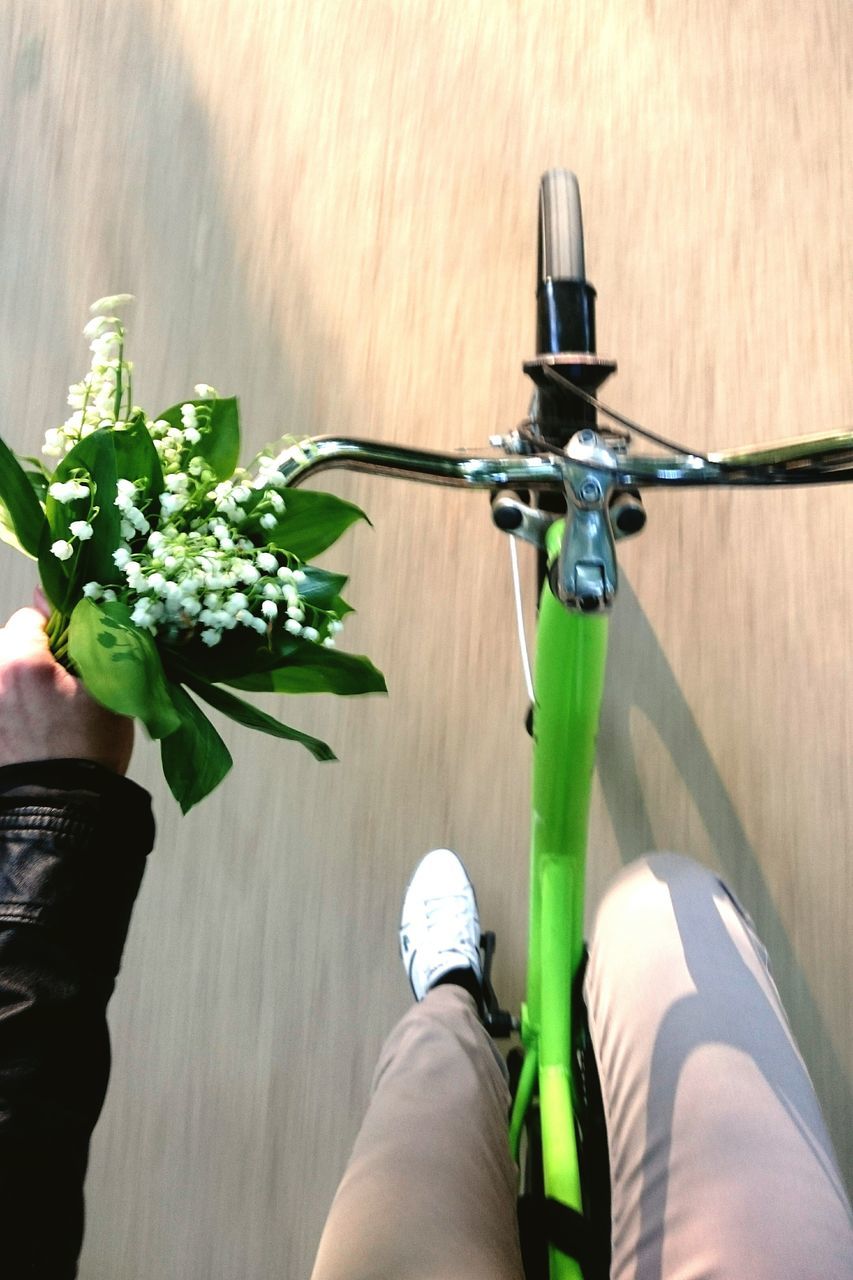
<point x="73" y="843"/>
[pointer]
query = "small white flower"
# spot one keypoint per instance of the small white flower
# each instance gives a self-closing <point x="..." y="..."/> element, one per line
<point x="62" y="550"/>
<point x="276" y="501"/>
<point x="266" y="561"/>
<point x="135" y="517"/>
<point x="94" y="328"/>
<point x="109" y="595"/>
<point x="54" y="441"/>
<point x="271" y="591"/>
<point x="121" y="557"/>
<point x="247" y="573"/>
<point x="92" y="590"/>
<point x="237" y="602"/>
<point x="243" y="616"/>
<point x="177" y="483"/>
<point x="170" y="503"/>
<point x="127" y="530"/>
<point x="205" y="392"/>
<point x="240" y="493"/>
<point x="293" y="627"/>
<point x="190" y="606"/>
<point x="298" y="576"/>
<point x="211" y="637"/>
<point x="192" y="436"/>
<point x="111" y="303"/>
<point x="69" y="491"/>
<point x="81" y="529"/>
<point x="293" y="611"/>
<point x="141" y="614"/>
<point x="269" y="608"/>
<point x="156" y="582"/>
<point x="335" y="626"/>
<point x="309" y="633"/>
<point x="285" y="574"/>
<point x="155" y="540"/>
<point x="259" y="625"/>
<point x="133" y="572"/>
<point x="268" y="521"/>
<point x="329" y="642"/>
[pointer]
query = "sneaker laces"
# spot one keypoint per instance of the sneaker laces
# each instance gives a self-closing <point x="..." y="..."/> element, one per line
<point x="448" y="924"/>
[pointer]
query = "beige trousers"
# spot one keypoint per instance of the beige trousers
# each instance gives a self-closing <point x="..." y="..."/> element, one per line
<point x="721" y="1166"/>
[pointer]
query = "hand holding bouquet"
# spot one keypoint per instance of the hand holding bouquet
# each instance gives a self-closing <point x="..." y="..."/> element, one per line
<point x="173" y="574"/>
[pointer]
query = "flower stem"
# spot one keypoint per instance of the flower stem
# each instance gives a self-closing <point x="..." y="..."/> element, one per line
<point x="56" y="630"/>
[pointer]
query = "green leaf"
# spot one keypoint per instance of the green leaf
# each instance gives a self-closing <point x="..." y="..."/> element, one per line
<point x="136" y="457"/>
<point x="53" y="574"/>
<point x="39" y="477"/>
<point x="320" y="587"/>
<point x="239" y="653"/>
<point x="317" y="670"/>
<point x="22" y="513"/>
<point x="120" y="666"/>
<point x="311" y="522"/>
<point x="194" y="757"/>
<point x="96" y="455"/>
<point x="220" y="437"/>
<point x="340" y="608"/>
<point x="253" y="718"/>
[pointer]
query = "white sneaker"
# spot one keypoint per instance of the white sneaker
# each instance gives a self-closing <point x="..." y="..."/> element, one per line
<point x="440" y="925"/>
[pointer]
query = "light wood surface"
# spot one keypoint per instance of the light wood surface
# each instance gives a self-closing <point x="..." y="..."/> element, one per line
<point x="330" y="209"/>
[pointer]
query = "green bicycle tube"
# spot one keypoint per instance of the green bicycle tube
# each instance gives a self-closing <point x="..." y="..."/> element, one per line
<point x="570" y="660"/>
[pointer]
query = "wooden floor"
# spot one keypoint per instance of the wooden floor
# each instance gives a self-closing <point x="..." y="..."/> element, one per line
<point x="329" y="208"/>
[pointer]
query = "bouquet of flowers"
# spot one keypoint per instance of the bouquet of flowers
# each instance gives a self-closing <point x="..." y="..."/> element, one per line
<point x="175" y="576"/>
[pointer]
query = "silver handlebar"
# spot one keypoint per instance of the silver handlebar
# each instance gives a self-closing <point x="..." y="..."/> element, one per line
<point x="817" y="459"/>
<point x="590" y="473"/>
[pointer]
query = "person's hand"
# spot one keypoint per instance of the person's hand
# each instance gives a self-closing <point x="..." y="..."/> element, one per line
<point x="44" y="712"/>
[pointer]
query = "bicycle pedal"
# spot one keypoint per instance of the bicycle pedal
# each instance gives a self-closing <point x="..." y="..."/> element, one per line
<point x="499" y="1022"/>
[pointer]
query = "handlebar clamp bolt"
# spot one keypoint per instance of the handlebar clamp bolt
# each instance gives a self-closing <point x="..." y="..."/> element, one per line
<point x="590" y="490"/>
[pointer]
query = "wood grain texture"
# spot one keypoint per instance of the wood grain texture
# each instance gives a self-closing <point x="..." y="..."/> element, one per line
<point x="330" y="209"/>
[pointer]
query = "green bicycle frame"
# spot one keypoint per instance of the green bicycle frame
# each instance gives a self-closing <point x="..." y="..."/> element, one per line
<point x="571" y="649"/>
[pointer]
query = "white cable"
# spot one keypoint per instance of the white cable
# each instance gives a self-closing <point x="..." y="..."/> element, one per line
<point x="519" y="615"/>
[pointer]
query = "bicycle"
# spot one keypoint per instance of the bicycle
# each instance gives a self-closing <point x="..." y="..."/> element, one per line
<point x="571" y="487"/>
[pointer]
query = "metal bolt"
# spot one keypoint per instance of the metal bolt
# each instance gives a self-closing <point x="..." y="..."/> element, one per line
<point x="496" y="441"/>
<point x="590" y="490"/>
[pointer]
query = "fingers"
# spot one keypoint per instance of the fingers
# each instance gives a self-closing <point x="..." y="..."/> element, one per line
<point x="24" y="632"/>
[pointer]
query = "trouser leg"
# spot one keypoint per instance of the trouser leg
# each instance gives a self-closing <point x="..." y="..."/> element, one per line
<point x="720" y="1161"/>
<point x="430" y="1189"/>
